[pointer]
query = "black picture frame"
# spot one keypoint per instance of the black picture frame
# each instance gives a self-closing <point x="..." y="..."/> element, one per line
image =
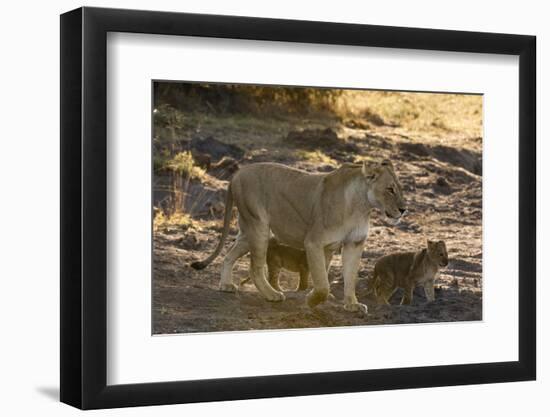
<point x="84" y="207"/>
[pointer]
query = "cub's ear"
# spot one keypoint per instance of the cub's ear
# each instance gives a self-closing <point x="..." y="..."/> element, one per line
<point x="429" y="242"/>
<point x="369" y="172"/>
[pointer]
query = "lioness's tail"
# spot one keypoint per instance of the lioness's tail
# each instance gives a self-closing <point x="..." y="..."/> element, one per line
<point x="226" y="220"/>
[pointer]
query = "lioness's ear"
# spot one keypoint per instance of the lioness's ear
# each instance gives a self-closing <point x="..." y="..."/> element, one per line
<point x="368" y="171"/>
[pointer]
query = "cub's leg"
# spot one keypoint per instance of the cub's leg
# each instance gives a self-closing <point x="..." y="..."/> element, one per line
<point x="273" y="269"/>
<point x="238" y="250"/>
<point x="408" y="294"/>
<point x="387" y="295"/>
<point x="384" y="287"/>
<point x="304" y="279"/>
<point x="328" y="258"/>
<point x="258" y="237"/>
<point x="429" y="290"/>
<point x="351" y="257"/>
<point x="319" y="276"/>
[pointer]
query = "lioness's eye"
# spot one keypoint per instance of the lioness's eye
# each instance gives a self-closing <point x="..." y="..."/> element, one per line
<point x="391" y="191"/>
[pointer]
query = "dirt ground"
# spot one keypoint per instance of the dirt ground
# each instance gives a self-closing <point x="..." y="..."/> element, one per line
<point x="442" y="184"/>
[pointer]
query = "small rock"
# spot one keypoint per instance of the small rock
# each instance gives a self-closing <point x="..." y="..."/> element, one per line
<point x="325" y="168"/>
<point x="312" y="139"/>
<point x="418" y="149"/>
<point x="356" y="124"/>
<point x="476" y="214"/>
<point x="373" y="118"/>
<point x="442" y="182"/>
<point x="350" y="147"/>
<point x="469" y="160"/>
<point x="441" y="186"/>
<point x="214" y="148"/>
<point x="202" y="160"/>
<point x="224" y="168"/>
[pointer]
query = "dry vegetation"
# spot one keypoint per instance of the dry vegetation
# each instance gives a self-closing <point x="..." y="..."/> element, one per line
<point x="433" y="139"/>
<point x="447" y="116"/>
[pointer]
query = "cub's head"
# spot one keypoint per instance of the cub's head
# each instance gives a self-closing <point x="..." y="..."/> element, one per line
<point x="384" y="189"/>
<point x="437" y="251"/>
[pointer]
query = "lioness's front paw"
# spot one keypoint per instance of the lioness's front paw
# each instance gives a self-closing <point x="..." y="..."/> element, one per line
<point x="316" y="297"/>
<point x="276" y="296"/>
<point x="228" y="287"/>
<point x="356" y="307"/>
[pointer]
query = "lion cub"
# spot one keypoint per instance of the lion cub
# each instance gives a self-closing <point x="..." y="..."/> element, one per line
<point x="281" y="256"/>
<point x="407" y="270"/>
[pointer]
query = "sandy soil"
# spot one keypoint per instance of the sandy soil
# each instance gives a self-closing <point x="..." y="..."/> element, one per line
<point x="442" y="184"/>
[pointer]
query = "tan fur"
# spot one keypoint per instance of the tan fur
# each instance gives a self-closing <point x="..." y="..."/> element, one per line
<point x="294" y="260"/>
<point x="407" y="270"/>
<point x="307" y="211"/>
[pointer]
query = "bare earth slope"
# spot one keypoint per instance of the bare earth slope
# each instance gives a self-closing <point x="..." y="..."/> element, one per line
<point x="442" y="183"/>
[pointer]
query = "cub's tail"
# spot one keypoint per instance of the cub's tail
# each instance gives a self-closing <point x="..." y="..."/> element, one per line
<point x="226" y="221"/>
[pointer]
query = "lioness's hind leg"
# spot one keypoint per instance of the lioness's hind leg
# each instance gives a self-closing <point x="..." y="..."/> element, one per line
<point x="238" y="250"/>
<point x="258" y="240"/>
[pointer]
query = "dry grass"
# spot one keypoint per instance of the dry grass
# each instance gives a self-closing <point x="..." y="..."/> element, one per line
<point x="182" y="220"/>
<point x="451" y="119"/>
<point x="317" y="157"/>
<point x="419" y="112"/>
<point x="184" y="164"/>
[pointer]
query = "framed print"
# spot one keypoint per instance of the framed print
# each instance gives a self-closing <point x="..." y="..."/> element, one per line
<point x="256" y="208"/>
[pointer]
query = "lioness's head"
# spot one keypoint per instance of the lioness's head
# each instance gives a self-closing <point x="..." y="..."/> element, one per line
<point x="437" y="251"/>
<point x="385" y="191"/>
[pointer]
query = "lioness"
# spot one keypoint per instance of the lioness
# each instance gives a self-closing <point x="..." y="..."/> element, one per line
<point x="310" y="211"/>
<point x="285" y="257"/>
<point x="407" y="270"/>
